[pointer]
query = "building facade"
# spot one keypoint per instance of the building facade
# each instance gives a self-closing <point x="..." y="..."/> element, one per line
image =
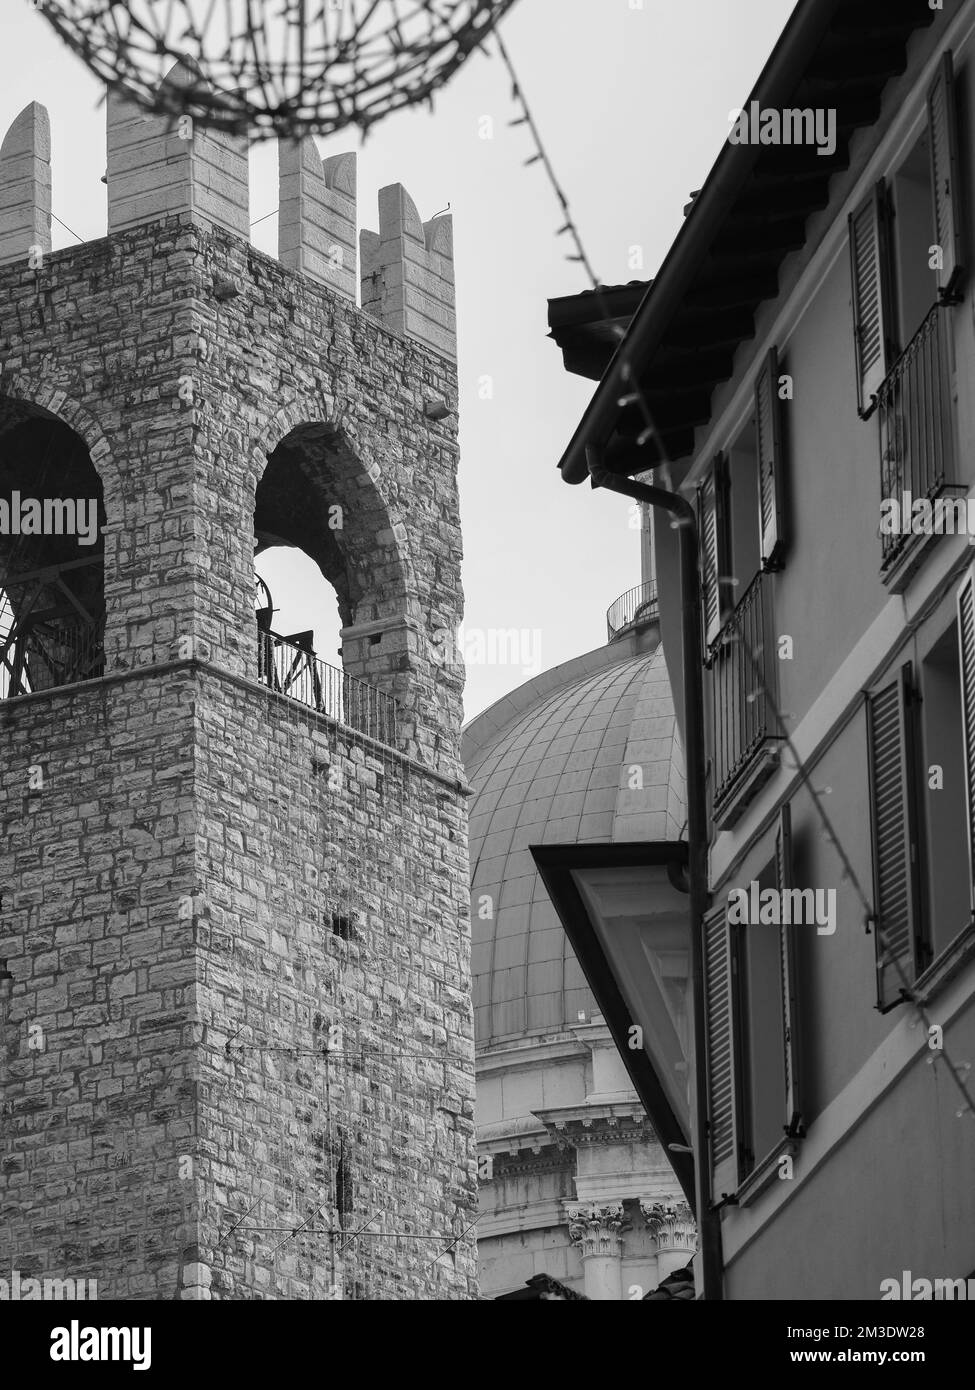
<point x="237" y="1041"/>
<point x="819" y="427"/>
<point x="580" y="763"/>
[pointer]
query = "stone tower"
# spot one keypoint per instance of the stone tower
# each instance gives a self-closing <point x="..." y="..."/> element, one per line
<point x="236" y="1047"/>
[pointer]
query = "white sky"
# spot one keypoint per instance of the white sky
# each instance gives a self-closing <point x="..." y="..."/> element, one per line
<point x="633" y="105"/>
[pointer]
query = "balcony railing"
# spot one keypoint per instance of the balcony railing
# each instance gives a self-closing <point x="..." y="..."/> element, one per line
<point x="44" y="657"/>
<point x="917" y="454"/>
<point x="295" y="671"/>
<point x="745" y="736"/>
<point x="52" y="622"/>
<point x="636" y="606"/>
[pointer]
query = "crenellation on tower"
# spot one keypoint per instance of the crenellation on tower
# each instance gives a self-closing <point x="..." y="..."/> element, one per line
<point x="25" y="185"/>
<point x="408" y="273"/>
<point x="159" y="165"/>
<point x="317" y="222"/>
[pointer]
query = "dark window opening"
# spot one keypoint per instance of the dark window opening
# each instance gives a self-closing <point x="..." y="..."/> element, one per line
<point x="52" y="596"/>
<point x="912" y="198"/>
<point x="763" y="1040"/>
<point x="943" y="795"/>
<point x="746" y="541"/>
<point x="343" y="926"/>
<point x="344" y="1188"/>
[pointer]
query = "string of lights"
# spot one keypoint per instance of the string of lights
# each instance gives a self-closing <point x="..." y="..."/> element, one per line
<point x="293" y="68"/>
<point x="636" y="397"/>
<point x="66" y="227"/>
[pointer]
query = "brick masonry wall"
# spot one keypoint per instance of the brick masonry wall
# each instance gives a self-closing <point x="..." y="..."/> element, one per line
<point x="167" y="896"/>
<point x="302" y="823"/>
<point x="98" y="1082"/>
<point x="190" y="1045"/>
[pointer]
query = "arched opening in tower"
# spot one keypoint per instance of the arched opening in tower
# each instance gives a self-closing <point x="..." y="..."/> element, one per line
<point x="303" y="593"/>
<point x="52" y="554"/>
<point x="317" y="497"/>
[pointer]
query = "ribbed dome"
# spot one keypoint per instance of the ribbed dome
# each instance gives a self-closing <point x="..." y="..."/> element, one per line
<point x="553" y="764"/>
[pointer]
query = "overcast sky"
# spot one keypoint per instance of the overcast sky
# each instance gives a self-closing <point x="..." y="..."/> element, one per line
<point x="633" y="105"/>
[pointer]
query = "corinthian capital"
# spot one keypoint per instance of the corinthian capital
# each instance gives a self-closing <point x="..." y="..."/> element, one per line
<point x="596" y="1228"/>
<point x="670" y="1223"/>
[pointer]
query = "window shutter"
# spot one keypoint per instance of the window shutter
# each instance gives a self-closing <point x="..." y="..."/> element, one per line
<point x="712" y="512"/>
<point x="890" y="746"/>
<point x="946" y="178"/>
<point x="771" y="481"/>
<point x="720" y="983"/>
<point x="966" y="643"/>
<point x="788" y="978"/>
<point x="870" y="269"/>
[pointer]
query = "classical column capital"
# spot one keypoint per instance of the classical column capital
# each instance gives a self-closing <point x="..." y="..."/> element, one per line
<point x="596" y="1228"/>
<point x="670" y="1223"/>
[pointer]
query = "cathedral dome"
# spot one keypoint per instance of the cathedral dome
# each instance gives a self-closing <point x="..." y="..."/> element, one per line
<point x="587" y="753"/>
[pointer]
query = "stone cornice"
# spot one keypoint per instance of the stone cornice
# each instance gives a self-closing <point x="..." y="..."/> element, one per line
<point x="547" y="1160"/>
<point x="581" y="1125"/>
<point x="522" y="1053"/>
<point x="513" y="1137"/>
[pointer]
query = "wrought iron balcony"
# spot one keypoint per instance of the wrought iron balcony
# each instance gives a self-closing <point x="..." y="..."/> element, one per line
<point x="917" y="450"/>
<point x="745" y="738"/>
<point x="631" y="609"/>
<point x="45" y="657"/>
<point x="291" y="668"/>
<point x="51" y="628"/>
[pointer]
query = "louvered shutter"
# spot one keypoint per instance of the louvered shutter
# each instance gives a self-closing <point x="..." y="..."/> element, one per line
<point x="712" y="513"/>
<point x="771" y="480"/>
<point x="966" y="644"/>
<point x="870" y="269"/>
<point x="788" y="977"/>
<point x="946" y="177"/>
<point x="892" y="774"/>
<point x="721" y="991"/>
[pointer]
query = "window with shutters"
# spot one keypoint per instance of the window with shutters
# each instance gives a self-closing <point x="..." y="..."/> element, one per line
<point x="714" y="530"/>
<point x="907" y="248"/>
<point x="753" y="1033"/>
<point x="893" y="767"/>
<point x="743" y="523"/>
<point x="947" y="898"/>
<point x="920" y="732"/>
<point x="723" y="1068"/>
<point x="763" y="1072"/>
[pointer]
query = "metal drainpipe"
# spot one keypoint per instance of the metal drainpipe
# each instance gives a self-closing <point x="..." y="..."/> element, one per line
<point x="708" y="1221"/>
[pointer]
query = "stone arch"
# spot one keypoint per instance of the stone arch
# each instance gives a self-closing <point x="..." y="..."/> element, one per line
<point x="42" y="396"/>
<point x="307" y="465"/>
<point x="52" y="546"/>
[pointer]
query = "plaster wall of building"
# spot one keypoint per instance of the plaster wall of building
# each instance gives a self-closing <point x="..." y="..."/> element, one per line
<point x="881" y="1118"/>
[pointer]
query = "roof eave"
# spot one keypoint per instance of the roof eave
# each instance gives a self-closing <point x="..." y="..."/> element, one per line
<point x="804" y="31"/>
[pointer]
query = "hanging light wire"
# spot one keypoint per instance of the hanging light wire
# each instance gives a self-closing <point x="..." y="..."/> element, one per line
<point x="260" y="69"/>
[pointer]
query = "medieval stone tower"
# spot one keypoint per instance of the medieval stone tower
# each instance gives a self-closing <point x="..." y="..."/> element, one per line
<point x="237" y="1048"/>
